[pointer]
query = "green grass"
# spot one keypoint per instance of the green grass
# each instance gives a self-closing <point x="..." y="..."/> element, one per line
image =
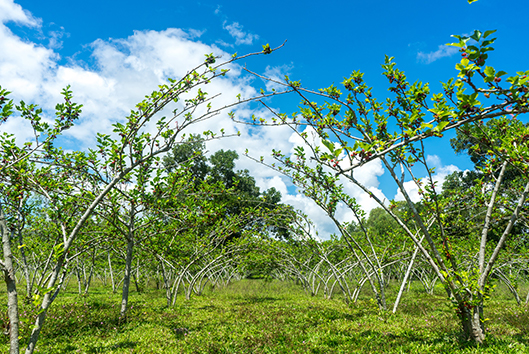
<point x="254" y="316"/>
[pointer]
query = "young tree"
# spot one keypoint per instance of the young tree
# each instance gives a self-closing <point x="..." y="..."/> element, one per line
<point x="17" y="166"/>
<point x="355" y="128"/>
<point x="132" y="145"/>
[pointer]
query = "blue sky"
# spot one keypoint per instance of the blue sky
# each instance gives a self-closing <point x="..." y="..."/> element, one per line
<point x="49" y="44"/>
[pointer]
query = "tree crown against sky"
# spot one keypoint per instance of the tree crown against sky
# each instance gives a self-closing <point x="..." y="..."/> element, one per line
<point x="109" y="62"/>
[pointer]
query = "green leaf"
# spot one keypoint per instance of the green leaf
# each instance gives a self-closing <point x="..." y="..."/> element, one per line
<point x="440" y="126"/>
<point x="488" y="42"/>
<point x="471" y="1"/>
<point x="329" y="145"/>
<point x="487" y="33"/>
<point x="455" y="44"/>
<point x="426" y="125"/>
<point x="477" y="34"/>
<point x="489" y="71"/>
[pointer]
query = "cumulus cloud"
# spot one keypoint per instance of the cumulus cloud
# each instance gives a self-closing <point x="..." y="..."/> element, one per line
<point x="125" y="71"/>
<point x="9" y="11"/>
<point x="323" y="226"/>
<point x="276" y="73"/>
<point x="367" y="175"/>
<point x="241" y="37"/>
<point x="441" y="52"/>
<point x="55" y="38"/>
<point x="441" y="172"/>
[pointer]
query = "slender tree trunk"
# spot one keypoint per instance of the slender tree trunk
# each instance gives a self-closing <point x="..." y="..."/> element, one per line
<point x="136" y="283"/>
<point x="509" y="285"/>
<point x="176" y="286"/>
<point x="79" y="280"/>
<point x="67" y="281"/>
<point x="472" y="322"/>
<point x="9" y="277"/>
<point x="126" y="277"/>
<point x="168" y="294"/>
<point x="406" y="277"/>
<point x="92" y="266"/>
<point x="111" y="274"/>
<point x="379" y="291"/>
<point x="358" y="289"/>
<point x="84" y="276"/>
<point x="25" y="266"/>
<point x="46" y="303"/>
<point x="137" y="277"/>
<point x="43" y="278"/>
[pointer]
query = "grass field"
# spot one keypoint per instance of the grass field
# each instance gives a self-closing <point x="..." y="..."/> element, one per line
<point x="254" y="316"/>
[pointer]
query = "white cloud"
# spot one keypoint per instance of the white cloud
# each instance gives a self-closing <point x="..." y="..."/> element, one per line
<point x="323" y="225"/>
<point x="9" y="11"/>
<point x="276" y="73"/>
<point x="24" y="66"/>
<point x="223" y="43"/>
<point x="441" y="52"/>
<point x="438" y="178"/>
<point x="125" y="71"/>
<point x="367" y="175"/>
<point x="241" y="37"/>
<point x="433" y="160"/>
<point x="55" y="41"/>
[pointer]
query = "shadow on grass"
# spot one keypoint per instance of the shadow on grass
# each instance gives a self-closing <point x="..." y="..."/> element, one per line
<point x="127" y="344"/>
<point x="181" y="332"/>
<point x="522" y="337"/>
<point x="257" y="300"/>
<point x="207" y="307"/>
<point x="381" y="341"/>
<point x="518" y="319"/>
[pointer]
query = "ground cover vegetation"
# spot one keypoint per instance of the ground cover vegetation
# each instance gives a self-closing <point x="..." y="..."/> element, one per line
<point x="259" y="316"/>
<point x="147" y="207"/>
